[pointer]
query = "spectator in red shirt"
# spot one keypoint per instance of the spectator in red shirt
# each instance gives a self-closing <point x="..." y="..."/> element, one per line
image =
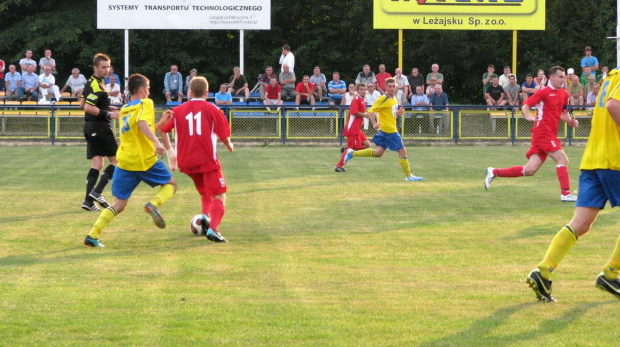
<point x="273" y="94"/>
<point x="381" y="77"/>
<point x="304" y="92"/>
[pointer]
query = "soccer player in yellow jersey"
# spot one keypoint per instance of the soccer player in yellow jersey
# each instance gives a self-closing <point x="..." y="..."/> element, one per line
<point x="137" y="159"/>
<point x="599" y="182"/>
<point x="387" y="137"/>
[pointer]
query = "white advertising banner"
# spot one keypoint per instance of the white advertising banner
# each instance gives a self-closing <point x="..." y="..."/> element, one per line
<point x="184" y="14"/>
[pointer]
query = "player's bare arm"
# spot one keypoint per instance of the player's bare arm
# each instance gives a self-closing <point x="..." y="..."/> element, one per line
<point x="228" y="144"/>
<point x="164" y="119"/>
<point x="565" y="116"/>
<point x="526" y="114"/>
<point x="613" y="107"/>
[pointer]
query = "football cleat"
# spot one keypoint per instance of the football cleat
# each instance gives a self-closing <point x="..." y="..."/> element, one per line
<point x="214" y="236"/>
<point x="205" y="222"/>
<point x="610" y="286"/>
<point x="568" y="198"/>
<point x="154" y="212"/>
<point x="540" y="286"/>
<point x="90" y="206"/>
<point x="340" y="169"/>
<point x="413" y="178"/>
<point x="342" y="149"/>
<point x="99" y="198"/>
<point x="489" y="178"/>
<point x="90" y="242"/>
<point x="349" y="155"/>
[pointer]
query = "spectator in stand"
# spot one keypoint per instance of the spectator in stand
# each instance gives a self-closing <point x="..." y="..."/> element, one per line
<point x="238" y="84"/>
<point x="173" y="84"/>
<point x="576" y="94"/>
<point x="273" y="94"/>
<point x="591" y="99"/>
<point x="381" y="77"/>
<point x="30" y="84"/>
<point x="432" y="84"/>
<point x="76" y="82"/>
<point x="287" y="81"/>
<point x="337" y="88"/>
<point x="439" y="102"/>
<point x="320" y="84"/>
<point x="584" y="78"/>
<point x="25" y="62"/>
<point x="569" y="78"/>
<point x="111" y="73"/>
<point x="287" y="58"/>
<point x="603" y="75"/>
<point x="415" y="79"/>
<point x="403" y="86"/>
<point x="589" y="61"/>
<point x="495" y="94"/>
<point x="372" y="94"/>
<point x="47" y="84"/>
<point x="304" y="92"/>
<point x="114" y="92"/>
<point x="192" y="73"/>
<point x="512" y="92"/>
<point x="588" y="87"/>
<point x="541" y="79"/>
<point x="348" y="96"/>
<point x="504" y="79"/>
<point x="263" y="81"/>
<point x="223" y="98"/>
<point x="487" y="79"/>
<point x="1" y="75"/>
<point x="366" y="76"/>
<point x="434" y="73"/>
<point x="47" y="60"/>
<point x="13" y="83"/>
<point x="419" y="99"/>
<point x="528" y="88"/>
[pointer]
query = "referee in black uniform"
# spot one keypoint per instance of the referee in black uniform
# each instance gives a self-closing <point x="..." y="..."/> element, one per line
<point x="98" y="133"/>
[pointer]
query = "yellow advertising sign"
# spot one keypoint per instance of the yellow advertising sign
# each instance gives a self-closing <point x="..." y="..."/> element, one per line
<point x="460" y="14"/>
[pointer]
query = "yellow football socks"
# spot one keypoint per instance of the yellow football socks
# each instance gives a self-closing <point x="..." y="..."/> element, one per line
<point x="165" y="192"/>
<point x="404" y="163"/>
<point x="364" y="153"/>
<point x="561" y="244"/>
<point x="102" y="222"/>
<point x="613" y="266"/>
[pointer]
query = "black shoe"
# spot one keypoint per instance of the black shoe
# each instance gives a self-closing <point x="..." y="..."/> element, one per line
<point x="214" y="236"/>
<point x="90" y="206"/>
<point x="540" y="286"/>
<point x="154" y="212"/>
<point x="342" y="149"/>
<point x="610" y="286"/>
<point x="205" y="222"/>
<point x="99" y="198"/>
<point x="90" y="242"/>
<point x="340" y="169"/>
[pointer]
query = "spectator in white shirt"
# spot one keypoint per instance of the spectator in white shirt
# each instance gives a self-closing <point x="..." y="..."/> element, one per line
<point x="47" y="83"/>
<point x="287" y="57"/>
<point x="76" y="82"/>
<point x="114" y="91"/>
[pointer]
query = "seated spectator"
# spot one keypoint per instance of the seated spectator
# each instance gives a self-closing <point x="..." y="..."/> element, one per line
<point x="47" y="60"/>
<point x="495" y="94"/>
<point x="366" y="76"/>
<point x="575" y="92"/>
<point x="439" y="102"/>
<point x="25" y="62"/>
<point x="591" y="99"/>
<point x="223" y="97"/>
<point x="173" y="84"/>
<point x="30" y="85"/>
<point x="47" y="84"/>
<point x="504" y="79"/>
<point x="13" y="83"/>
<point x="528" y="87"/>
<point x="287" y="82"/>
<point x="114" y="91"/>
<point x="430" y="89"/>
<point x="371" y="95"/>
<point x="569" y="78"/>
<point x="348" y="97"/>
<point x="487" y="79"/>
<point x="415" y="79"/>
<point x="541" y="79"/>
<point x="512" y="92"/>
<point x="304" y="92"/>
<point x="1" y="75"/>
<point x="419" y="99"/>
<point x="603" y="75"/>
<point x="588" y="87"/>
<point x="584" y="78"/>
<point x="76" y="82"/>
<point x="264" y="80"/>
<point x="111" y="73"/>
<point x="193" y="73"/>
<point x="403" y="86"/>
<point x="273" y="94"/>
<point x="381" y="77"/>
<point x="320" y="83"/>
<point x="434" y="73"/>
<point x="336" y="88"/>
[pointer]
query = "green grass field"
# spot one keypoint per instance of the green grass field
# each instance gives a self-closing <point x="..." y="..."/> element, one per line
<point x="315" y="257"/>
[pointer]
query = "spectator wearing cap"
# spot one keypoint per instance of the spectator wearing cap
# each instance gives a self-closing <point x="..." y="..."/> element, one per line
<point x="589" y="61"/>
<point x="570" y="72"/>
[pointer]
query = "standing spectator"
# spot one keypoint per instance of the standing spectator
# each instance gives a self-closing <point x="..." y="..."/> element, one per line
<point x="512" y="91"/>
<point x="273" y="94"/>
<point x="1" y="75"/>
<point x="24" y="62"/>
<point x="504" y="79"/>
<point x="223" y="97"/>
<point x="541" y="79"/>
<point x="47" y="83"/>
<point x="173" y="84"/>
<point x="320" y="83"/>
<point x="434" y="73"/>
<point x="495" y="94"/>
<point x="591" y="99"/>
<point x="287" y="58"/>
<point x="336" y="88"/>
<point x="114" y="91"/>
<point x="439" y="102"/>
<point x="487" y="79"/>
<point x="603" y="75"/>
<point x="13" y="83"/>
<point x="287" y="80"/>
<point x="193" y="73"/>
<point x="415" y="79"/>
<point x="575" y="92"/>
<point x="366" y="76"/>
<point x="589" y="61"/>
<point x="432" y="84"/>
<point x="381" y="77"/>
<point x="76" y="82"/>
<point x="348" y="96"/>
<point x="264" y="80"/>
<point x="371" y="95"/>
<point x="47" y="60"/>
<point x="238" y="84"/>
<point x="528" y="88"/>
<point x="30" y="84"/>
<point x="403" y="86"/>
<point x="304" y="92"/>
<point x="118" y="79"/>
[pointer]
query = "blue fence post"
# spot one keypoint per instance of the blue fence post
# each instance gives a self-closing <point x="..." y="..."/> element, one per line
<point x="283" y="124"/>
<point x="53" y="124"/>
<point x="341" y="125"/>
<point x="513" y="124"/>
<point x="455" y="122"/>
<point x="570" y="128"/>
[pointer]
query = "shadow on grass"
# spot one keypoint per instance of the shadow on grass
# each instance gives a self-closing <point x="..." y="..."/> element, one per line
<point x="478" y="332"/>
<point x="37" y="216"/>
<point x="535" y="231"/>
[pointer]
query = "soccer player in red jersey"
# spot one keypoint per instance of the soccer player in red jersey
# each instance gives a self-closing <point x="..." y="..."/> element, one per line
<point x="196" y="124"/>
<point x="356" y="139"/>
<point x="550" y="104"/>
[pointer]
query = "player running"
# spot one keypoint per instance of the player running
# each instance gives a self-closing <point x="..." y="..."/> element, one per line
<point x="356" y="139"/>
<point x="387" y="137"/>
<point x="551" y="104"/>
<point x="599" y="182"/>
<point x="196" y="124"/>
<point x="137" y="160"/>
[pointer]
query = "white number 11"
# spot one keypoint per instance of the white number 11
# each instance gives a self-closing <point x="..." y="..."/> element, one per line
<point x="198" y="118"/>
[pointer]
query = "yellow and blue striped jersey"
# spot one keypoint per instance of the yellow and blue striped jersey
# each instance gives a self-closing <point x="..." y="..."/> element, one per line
<point x="386" y="108"/>
<point x="136" y="152"/>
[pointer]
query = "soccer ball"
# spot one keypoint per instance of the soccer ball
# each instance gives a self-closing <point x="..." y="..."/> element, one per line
<point x="196" y="224"/>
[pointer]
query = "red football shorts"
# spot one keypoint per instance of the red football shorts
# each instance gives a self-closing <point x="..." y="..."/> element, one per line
<point x="210" y="183"/>
<point x="542" y="145"/>
<point x="355" y="141"/>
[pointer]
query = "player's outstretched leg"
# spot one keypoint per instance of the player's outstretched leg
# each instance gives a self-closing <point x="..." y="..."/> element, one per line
<point x="404" y="163"/>
<point x="608" y="279"/>
<point x="489" y="178"/>
<point x="339" y="166"/>
<point x="165" y="192"/>
<point x="158" y="219"/>
<point x="540" y="285"/>
<point x="514" y="171"/>
<point x="217" y="213"/>
<point x="608" y="285"/>
<point x="563" y="177"/>
<point x="106" y="216"/>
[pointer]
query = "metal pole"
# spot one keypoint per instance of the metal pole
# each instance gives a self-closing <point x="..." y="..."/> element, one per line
<point x="127" y="56"/>
<point x="241" y="48"/>
<point x="400" y="48"/>
<point x="514" y="52"/>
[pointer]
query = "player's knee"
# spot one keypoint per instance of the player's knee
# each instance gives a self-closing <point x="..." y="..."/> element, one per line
<point x="529" y="171"/>
<point x="220" y="197"/>
<point x="174" y="184"/>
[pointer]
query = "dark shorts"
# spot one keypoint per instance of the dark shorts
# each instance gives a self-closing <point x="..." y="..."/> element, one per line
<point x="100" y="139"/>
<point x="596" y="187"/>
<point x="125" y="182"/>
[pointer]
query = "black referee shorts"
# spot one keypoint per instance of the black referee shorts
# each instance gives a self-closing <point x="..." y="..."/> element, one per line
<point x="100" y="139"/>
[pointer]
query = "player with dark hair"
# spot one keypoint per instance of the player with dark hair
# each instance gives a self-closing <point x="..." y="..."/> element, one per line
<point x="550" y="104"/>
<point x="197" y="124"/>
<point x="100" y="141"/>
<point x="137" y="159"/>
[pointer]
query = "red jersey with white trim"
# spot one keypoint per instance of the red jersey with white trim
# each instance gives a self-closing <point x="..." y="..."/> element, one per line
<point x="353" y="124"/>
<point x="197" y="124"/>
<point x="550" y="103"/>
